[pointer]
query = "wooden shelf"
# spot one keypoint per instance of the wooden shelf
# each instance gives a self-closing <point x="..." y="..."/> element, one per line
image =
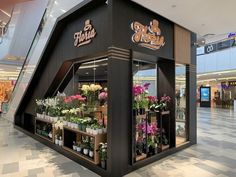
<point x="97" y="139"/>
<point x="44" y="137"/>
<point x="82" y="132"/>
<point x="80" y="155"/>
<point x="181" y="120"/>
<point x="44" y="120"/>
<point x="141" y="157"/>
<point x="165" y="112"/>
<point x="165" y="147"/>
<point x="141" y="116"/>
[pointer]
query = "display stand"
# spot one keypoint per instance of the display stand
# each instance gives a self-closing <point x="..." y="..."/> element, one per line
<point x="76" y="136"/>
<point x="44" y="121"/>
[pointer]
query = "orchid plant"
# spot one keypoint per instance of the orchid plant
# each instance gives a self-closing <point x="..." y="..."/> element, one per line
<point x="140" y="93"/>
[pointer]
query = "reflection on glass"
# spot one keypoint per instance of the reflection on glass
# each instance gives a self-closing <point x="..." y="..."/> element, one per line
<point x="147" y="139"/>
<point x="180" y="96"/>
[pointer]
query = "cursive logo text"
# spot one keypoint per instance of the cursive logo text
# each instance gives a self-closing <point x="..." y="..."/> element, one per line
<point x="86" y="35"/>
<point x="148" y="36"/>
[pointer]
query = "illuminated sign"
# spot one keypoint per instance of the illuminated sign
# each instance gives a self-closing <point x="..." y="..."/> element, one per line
<point x="148" y="36"/>
<point x="86" y="35"/>
<point x="231" y="35"/>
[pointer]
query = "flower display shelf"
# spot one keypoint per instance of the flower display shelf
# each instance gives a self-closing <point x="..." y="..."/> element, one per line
<point x="46" y="122"/>
<point x="97" y="139"/>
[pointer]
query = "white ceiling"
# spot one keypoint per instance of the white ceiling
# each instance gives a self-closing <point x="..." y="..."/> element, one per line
<point x="200" y="16"/>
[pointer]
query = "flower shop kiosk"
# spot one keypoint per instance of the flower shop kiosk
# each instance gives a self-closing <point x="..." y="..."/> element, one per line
<point x="104" y="90"/>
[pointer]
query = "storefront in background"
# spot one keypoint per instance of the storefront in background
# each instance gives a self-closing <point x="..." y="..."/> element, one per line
<point x="107" y="91"/>
<point x="223" y="93"/>
<point x="6" y="88"/>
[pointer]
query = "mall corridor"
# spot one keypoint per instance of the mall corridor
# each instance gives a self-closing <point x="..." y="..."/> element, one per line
<point x="214" y="155"/>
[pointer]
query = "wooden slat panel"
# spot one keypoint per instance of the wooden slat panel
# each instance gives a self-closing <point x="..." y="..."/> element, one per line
<point x="182" y="45"/>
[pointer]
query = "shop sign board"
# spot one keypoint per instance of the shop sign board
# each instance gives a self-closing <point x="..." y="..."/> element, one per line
<point x="232" y="83"/>
<point x="86" y="35"/>
<point x="210" y="48"/>
<point x="148" y="36"/>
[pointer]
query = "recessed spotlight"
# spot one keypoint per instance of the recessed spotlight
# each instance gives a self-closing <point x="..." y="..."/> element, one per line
<point x="87" y="73"/>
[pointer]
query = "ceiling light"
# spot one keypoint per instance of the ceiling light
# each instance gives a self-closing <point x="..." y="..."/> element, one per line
<point x="9" y="15"/>
<point x="63" y="10"/>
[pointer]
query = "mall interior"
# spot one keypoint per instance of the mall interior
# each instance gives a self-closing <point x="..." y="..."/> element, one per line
<point x="88" y="91"/>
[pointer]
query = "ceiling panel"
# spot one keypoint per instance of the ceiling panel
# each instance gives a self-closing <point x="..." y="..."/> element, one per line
<point x="200" y="16"/>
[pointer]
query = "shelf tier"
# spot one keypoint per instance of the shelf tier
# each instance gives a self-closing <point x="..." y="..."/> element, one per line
<point x="83" y="133"/>
<point x="180" y="120"/>
<point x="141" y="157"/>
<point x="44" y="120"/>
<point x="46" y="138"/>
<point x="80" y="155"/>
<point x="165" y="147"/>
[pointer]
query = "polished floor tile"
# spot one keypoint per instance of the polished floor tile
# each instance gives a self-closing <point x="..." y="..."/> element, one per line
<point x="213" y="156"/>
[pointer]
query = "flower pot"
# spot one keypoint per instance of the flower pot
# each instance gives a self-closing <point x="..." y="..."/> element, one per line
<point x="69" y="124"/>
<point x="91" y="154"/>
<point x="56" y="141"/>
<point x="38" y="115"/>
<point x="95" y="132"/>
<point x="103" y="164"/>
<point x="141" y="111"/>
<point x="61" y="118"/>
<point x="60" y="142"/>
<point x="78" y="149"/>
<point x="85" y="151"/>
<point x="83" y="128"/>
<point x="76" y="126"/>
<point x="50" y="135"/>
<point x="74" y="147"/>
<point x="47" y="117"/>
<point x="55" y="119"/>
<point x="104" y="130"/>
<point x="100" y="131"/>
<point x="88" y="130"/>
<point x="80" y="127"/>
<point x="65" y="123"/>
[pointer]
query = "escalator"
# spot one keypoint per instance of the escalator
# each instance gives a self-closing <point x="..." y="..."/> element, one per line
<point x="55" y="9"/>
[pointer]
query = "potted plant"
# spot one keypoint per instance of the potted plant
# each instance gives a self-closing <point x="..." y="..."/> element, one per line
<point x="74" y="146"/>
<point x="56" y="140"/>
<point x="140" y="93"/>
<point x="85" y="149"/>
<point x="60" y="142"/>
<point x="79" y="147"/>
<point x="91" y="150"/>
<point x="85" y="145"/>
<point x="103" y="154"/>
<point x="40" y="108"/>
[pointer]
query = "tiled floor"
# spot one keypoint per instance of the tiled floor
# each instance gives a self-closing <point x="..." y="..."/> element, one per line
<point x="213" y="156"/>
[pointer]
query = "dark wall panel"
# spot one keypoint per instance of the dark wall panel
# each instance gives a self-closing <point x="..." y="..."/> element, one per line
<point x="122" y="32"/>
<point x="64" y="49"/>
